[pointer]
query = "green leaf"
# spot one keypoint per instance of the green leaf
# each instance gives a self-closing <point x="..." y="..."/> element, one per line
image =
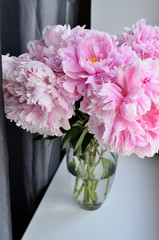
<point x="72" y="135"/>
<point x="85" y="156"/>
<point x="52" y="140"/>
<point x="85" y="123"/>
<point x="78" y="151"/>
<point x="80" y="140"/>
<point x="81" y="115"/>
<point x="76" y="133"/>
<point x="66" y="138"/>
<point x="86" y="141"/>
<point x="78" y="123"/>
<point x="73" y="119"/>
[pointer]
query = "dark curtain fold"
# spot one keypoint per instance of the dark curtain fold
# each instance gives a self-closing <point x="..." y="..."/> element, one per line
<point x="78" y="12"/>
<point x="32" y="164"/>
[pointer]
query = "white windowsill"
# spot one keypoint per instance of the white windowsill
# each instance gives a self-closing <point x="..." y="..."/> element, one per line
<point x="130" y="212"/>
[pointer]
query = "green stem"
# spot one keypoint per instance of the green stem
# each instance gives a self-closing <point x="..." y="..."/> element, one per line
<point x="87" y="174"/>
<point x="107" y="187"/>
<point x="95" y="146"/>
<point x="86" y="195"/>
<point x="104" y="168"/>
<point x="80" y="191"/>
<point x="93" y="186"/>
<point x="76" y="185"/>
<point x="92" y="194"/>
<point x="96" y="184"/>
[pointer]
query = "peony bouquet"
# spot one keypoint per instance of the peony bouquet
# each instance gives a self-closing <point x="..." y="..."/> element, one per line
<point x="88" y="84"/>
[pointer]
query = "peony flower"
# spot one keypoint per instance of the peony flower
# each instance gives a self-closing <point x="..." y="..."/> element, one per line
<point x="93" y="53"/>
<point x="46" y="49"/>
<point x="124" y="114"/>
<point x="32" y="97"/>
<point x="144" y="39"/>
<point x="54" y="38"/>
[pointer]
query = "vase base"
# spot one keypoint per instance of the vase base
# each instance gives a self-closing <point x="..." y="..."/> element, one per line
<point x="90" y="206"/>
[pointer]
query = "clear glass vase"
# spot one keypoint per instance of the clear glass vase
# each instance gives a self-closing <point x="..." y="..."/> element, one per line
<point x="91" y="174"/>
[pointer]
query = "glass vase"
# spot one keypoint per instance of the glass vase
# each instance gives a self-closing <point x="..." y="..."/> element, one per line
<point x="91" y="174"/>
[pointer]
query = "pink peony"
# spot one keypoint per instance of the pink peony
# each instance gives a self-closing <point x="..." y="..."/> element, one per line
<point x="144" y="39"/>
<point x="32" y="97"/>
<point x="93" y="53"/>
<point x="54" y="38"/>
<point x="124" y="114"/>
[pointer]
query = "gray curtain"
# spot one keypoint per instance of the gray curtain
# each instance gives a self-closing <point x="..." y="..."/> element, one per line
<point x="32" y="164"/>
<point x="5" y="214"/>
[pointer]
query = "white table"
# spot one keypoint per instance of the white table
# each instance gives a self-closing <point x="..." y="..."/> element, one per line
<point x="130" y="212"/>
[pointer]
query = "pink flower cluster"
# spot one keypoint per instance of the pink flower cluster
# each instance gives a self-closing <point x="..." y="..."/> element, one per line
<point x="144" y="39"/>
<point x="124" y="114"/>
<point x="118" y="81"/>
<point x="32" y="98"/>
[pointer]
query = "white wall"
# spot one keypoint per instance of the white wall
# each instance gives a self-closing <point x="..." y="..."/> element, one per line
<point x="114" y="15"/>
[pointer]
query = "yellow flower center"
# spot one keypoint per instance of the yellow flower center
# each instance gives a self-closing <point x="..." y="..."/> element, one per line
<point x="93" y="60"/>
